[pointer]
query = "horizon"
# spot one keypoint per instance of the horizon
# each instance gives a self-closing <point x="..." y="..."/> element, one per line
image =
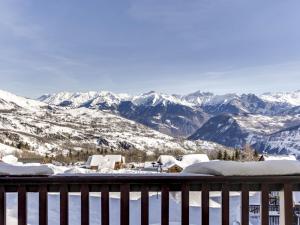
<point x="146" y="92"/>
<point x="133" y="46"/>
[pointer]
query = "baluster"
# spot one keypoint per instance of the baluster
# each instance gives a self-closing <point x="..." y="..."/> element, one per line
<point x="22" y="203"/>
<point x="64" y="205"/>
<point x="288" y="204"/>
<point x="84" y="205"/>
<point x="205" y="204"/>
<point x="225" y="205"/>
<point x="2" y="206"/>
<point x="185" y="205"/>
<point x="165" y="205"/>
<point x="43" y="205"/>
<point x="145" y="206"/>
<point x="264" y="204"/>
<point x="245" y="204"/>
<point x="124" y="204"/>
<point x="105" y="205"/>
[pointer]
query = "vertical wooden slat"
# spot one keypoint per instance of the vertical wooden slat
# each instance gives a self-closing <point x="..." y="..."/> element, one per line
<point x="2" y="206"/>
<point x="225" y="205"/>
<point x="105" y="205"/>
<point x="205" y="204"/>
<point x="264" y="204"/>
<point x="64" y="205"/>
<point x="124" y="204"/>
<point x="43" y="205"/>
<point x="22" y="203"/>
<point x="185" y="205"/>
<point x="145" y="206"/>
<point x="165" y="205"/>
<point x="245" y="204"/>
<point x="288" y="204"/>
<point x="85" y="205"/>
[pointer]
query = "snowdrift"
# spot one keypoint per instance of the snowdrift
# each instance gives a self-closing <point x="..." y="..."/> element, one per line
<point x="229" y="168"/>
<point x="9" y="169"/>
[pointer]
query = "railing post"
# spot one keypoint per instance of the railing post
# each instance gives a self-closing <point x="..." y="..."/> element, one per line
<point x="2" y="206"/>
<point x="64" y="205"/>
<point x="84" y="204"/>
<point x="264" y="204"/>
<point x="205" y="204"/>
<point x="245" y="204"/>
<point x="43" y="205"/>
<point x="105" y="205"/>
<point x="185" y="204"/>
<point x="124" y="204"/>
<point x="145" y="206"/>
<point x="225" y="205"/>
<point x="165" y="205"/>
<point x="286" y="205"/>
<point x="22" y="203"/>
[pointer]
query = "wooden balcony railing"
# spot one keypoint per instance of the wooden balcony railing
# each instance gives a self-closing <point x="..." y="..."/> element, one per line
<point x="144" y="184"/>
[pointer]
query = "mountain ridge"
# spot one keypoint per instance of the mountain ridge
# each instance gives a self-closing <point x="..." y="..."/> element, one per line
<point x="231" y="120"/>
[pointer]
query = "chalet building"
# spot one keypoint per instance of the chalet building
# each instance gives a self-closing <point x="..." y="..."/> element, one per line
<point x="114" y="162"/>
<point x="169" y="164"/>
<point x="174" y="168"/>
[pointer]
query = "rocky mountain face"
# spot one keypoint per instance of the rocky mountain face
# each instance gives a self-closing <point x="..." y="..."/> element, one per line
<point x="230" y="119"/>
<point x="222" y="129"/>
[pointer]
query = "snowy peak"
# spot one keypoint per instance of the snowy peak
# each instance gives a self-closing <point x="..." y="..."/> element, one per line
<point x="9" y="101"/>
<point x="198" y="98"/>
<point x="153" y="98"/>
<point x="292" y="98"/>
<point x="207" y="98"/>
<point x="77" y="99"/>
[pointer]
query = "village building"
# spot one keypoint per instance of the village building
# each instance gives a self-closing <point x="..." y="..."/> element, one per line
<point x="114" y="162"/>
<point x="170" y="164"/>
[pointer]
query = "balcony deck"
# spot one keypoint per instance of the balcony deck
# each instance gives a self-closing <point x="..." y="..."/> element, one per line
<point x="163" y="183"/>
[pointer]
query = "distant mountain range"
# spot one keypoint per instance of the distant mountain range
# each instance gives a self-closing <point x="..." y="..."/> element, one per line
<point x="268" y="122"/>
<point x="152" y="121"/>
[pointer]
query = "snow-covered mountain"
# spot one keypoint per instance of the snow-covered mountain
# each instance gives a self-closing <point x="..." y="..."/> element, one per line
<point x="292" y="98"/>
<point x="230" y="119"/>
<point x="274" y="134"/>
<point x="285" y="141"/>
<point x="54" y="129"/>
<point x="169" y="114"/>
<point x="80" y="99"/>
<point x="177" y="115"/>
<point x="10" y="101"/>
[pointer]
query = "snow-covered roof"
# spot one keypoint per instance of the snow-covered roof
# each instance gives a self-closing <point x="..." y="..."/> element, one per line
<point x="170" y="165"/>
<point x="164" y="159"/>
<point x="168" y="161"/>
<point x="278" y="157"/>
<point x="104" y="161"/>
<point x="10" y="159"/>
<point x="194" y="158"/>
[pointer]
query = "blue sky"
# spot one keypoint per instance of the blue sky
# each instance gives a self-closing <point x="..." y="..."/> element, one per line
<point x="134" y="46"/>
